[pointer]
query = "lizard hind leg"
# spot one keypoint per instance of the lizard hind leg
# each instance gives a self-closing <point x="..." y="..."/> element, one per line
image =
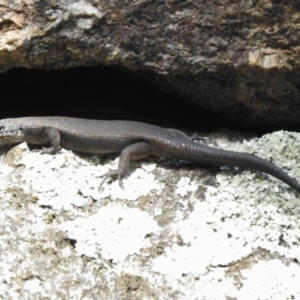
<point x="134" y="151"/>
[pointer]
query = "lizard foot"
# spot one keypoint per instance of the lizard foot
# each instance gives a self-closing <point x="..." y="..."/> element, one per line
<point x="110" y="174"/>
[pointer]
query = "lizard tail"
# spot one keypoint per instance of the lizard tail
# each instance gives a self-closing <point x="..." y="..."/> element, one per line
<point x="219" y="157"/>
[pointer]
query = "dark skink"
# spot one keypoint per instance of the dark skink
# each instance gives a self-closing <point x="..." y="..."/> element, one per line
<point x="134" y="140"/>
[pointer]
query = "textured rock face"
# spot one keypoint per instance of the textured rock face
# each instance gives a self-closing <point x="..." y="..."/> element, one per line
<point x="184" y="234"/>
<point x="239" y="58"/>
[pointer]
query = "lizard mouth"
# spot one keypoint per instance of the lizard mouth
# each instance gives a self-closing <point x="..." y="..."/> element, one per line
<point x="10" y="138"/>
<point x="7" y="139"/>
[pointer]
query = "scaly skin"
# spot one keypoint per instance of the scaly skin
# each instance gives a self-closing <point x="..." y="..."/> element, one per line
<point x="134" y="140"/>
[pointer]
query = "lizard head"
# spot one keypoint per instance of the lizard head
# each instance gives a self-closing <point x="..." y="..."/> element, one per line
<point x="10" y="132"/>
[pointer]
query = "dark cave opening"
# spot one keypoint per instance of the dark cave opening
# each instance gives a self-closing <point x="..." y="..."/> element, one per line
<point x="101" y="92"/>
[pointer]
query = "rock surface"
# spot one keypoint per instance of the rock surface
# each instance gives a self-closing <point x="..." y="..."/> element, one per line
<point x="173" y="232"/>
<point x="238" y="58"/>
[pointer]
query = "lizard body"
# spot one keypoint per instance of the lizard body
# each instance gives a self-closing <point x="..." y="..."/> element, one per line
<point x="134" y="140"/>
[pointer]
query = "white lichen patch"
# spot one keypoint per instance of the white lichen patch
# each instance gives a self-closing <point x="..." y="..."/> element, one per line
<point x="271" y="280"/>
<point x="84" y="9"/>
<point x="205" y="243"/>
<point x="115" y="232"/>
<point x="184" y="186"/>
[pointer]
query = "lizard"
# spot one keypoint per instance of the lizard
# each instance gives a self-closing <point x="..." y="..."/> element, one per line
<point x="133" y="140"/>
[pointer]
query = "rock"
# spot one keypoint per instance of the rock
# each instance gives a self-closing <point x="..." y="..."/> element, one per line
<point x="197" y="233"/>
<point x="237" y="58"/>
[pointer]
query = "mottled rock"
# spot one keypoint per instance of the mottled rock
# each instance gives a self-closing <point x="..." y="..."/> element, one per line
<point x="184" y="233"/>
<point x="237" y="58"/>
